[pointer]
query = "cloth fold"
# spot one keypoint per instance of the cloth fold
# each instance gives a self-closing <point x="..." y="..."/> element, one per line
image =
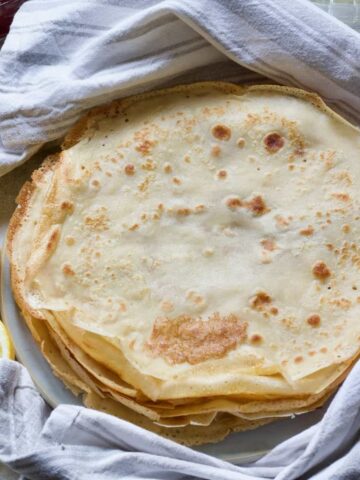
<point x="65" y="56"/>
<point x="74" y="442"/>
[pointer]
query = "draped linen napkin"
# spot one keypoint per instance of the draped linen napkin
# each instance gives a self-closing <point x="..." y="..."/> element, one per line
<point x="77" y="443"/>
<point x="65" y="56"/>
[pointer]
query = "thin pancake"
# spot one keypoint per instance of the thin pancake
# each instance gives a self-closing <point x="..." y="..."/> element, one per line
<point x="143" y="257"/>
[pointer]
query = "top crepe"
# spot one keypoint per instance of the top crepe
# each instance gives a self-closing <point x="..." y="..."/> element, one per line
<point x="202" y="240"/>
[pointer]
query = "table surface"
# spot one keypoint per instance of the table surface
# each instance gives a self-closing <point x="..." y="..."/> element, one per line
<point x="347" y="11"/>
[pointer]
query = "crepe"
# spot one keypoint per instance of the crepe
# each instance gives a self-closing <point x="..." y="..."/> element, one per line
<point x="192" y="253"/>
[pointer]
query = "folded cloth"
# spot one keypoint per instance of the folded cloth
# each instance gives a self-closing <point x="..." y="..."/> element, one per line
<point x="74" y="442"/>
<point x="64" y="56"/>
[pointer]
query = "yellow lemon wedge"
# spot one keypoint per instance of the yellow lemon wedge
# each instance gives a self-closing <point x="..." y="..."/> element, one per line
<point x="6" y="347"/>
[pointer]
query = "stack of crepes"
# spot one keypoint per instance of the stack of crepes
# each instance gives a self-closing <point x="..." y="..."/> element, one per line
<point x="190" y="261"/>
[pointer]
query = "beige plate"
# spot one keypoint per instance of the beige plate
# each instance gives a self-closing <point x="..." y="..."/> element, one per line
<point x="237" y="448"/>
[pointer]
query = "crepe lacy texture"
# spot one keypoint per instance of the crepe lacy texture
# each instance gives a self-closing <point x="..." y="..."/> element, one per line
<point x="193" y="340"/>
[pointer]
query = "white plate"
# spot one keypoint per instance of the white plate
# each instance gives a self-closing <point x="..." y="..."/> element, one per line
<point x="237" y="448"/>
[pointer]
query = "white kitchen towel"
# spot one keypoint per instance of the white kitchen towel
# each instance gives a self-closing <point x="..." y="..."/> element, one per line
<point x="64" y="56"/>
<point x="75" y="443"/>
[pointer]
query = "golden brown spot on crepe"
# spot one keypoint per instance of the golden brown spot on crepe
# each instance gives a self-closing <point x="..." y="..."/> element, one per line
<point x="312" y="353"/>
<point x="67" y="270"/>
<point x="134" y="227"/>
<point x="273" y="142"/>
<point x="268" y="244"/>
<point x="194" y="340"/>
<point x="298" y="359"/>
<point x="233" y="203"/>
<point x="309" y="230"/>
<point x="70" y="241"/>
<point x="145" y="147"/>
<point x="167" y="306"/>
<point x="314" y="320"/>
<point x="256" y="338"/>
<point x="221" y="132"/>
<point x="320" y="270"/>
<point x="200" y="209"/>
<point x="122" y="307"/>
<point x="291" y="166"/>
<point x="343" y="303"/>
<point x="53" y="240"/>
<point x="129" y="169"/>
<point x="344" y="177"/>
<point x="195" y="298"/>
<point x="265" y="258"/>
<point x="187" y="159"/>
<point x="281" y="221"/>
<point x="215" y="150"/>
<point x="143" y="186"/>
<point x="343" y="197"/>
<point x="259" y="300"/>
<point x="346" y="228"/>
<point x="329" y="160"/>
<point x="183" y="211"/>
<point x="149" y="165"/>
<point x="167" y="168"/>
<point x="218" y="111"/>
<point x="257" y="206"/>
<point x="95" y="183"/>
<point x="240" y="142"/>
<point x="287" y="322"/>
<point x="274" y="310"/>
<point x="208" y="252"/>
<point x="67" y="206"/>
<point x="176" y="180"/>
<point x="323" y="349"/>
<point x="252" y="119"/>
<point x="222" y="174"/>
<point x="97" y="222"/>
